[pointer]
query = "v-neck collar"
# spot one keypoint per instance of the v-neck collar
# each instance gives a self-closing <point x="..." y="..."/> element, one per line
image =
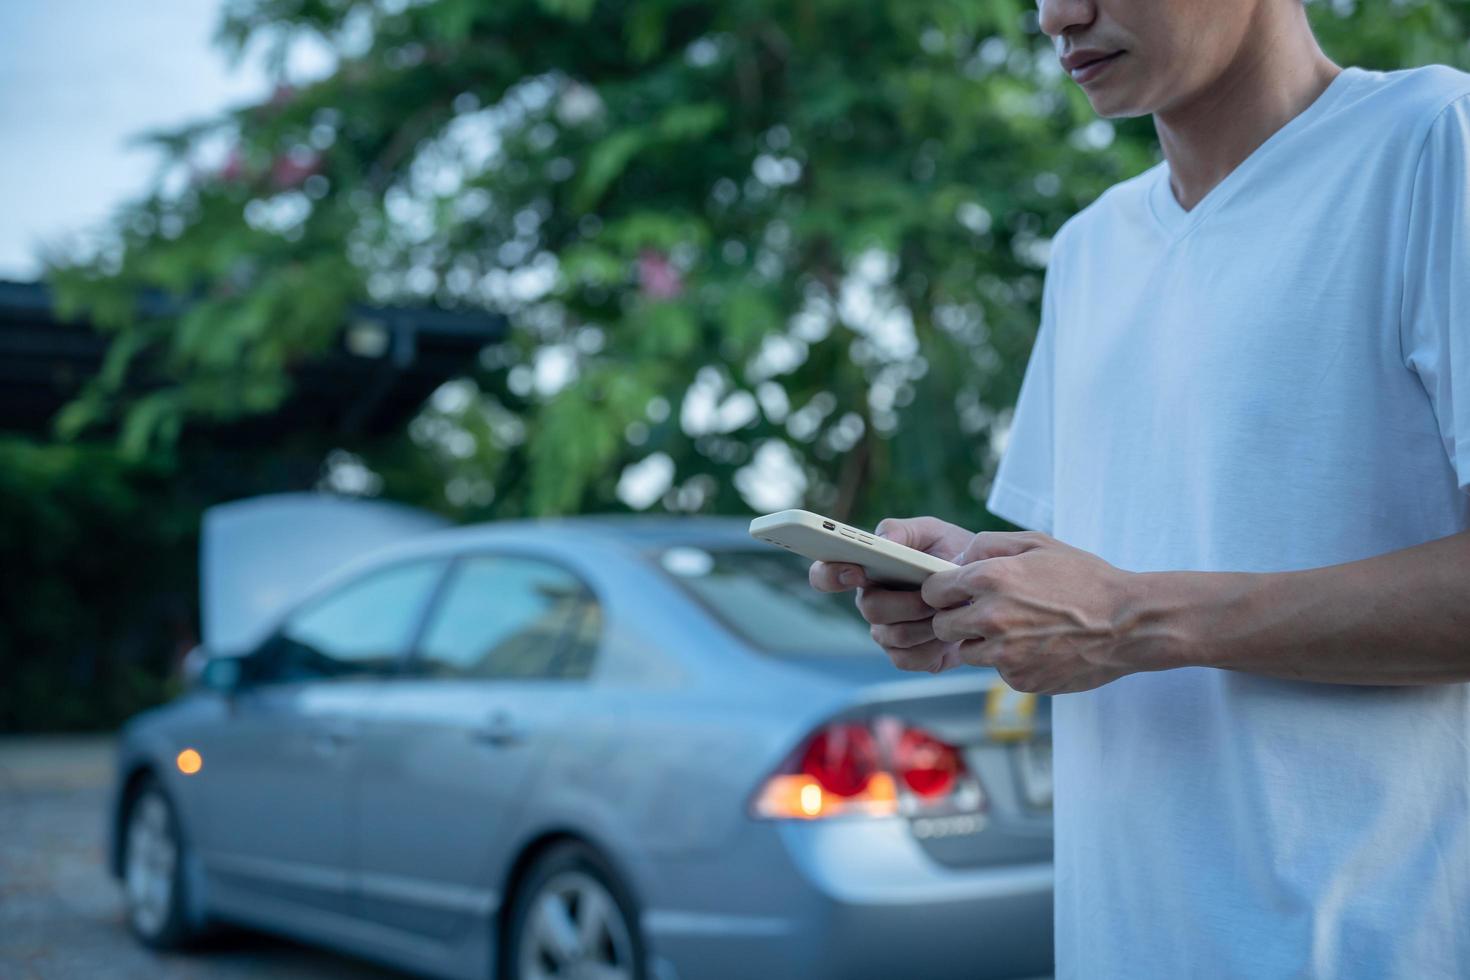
<point x="1176" y="222"/>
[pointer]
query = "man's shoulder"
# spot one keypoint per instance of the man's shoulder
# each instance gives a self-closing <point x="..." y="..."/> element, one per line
<point x="1413" y="97"/>
<point x="1124" y="201"/>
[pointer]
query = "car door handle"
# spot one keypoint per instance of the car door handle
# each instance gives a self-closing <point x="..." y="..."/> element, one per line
<point x="498" y="729"/>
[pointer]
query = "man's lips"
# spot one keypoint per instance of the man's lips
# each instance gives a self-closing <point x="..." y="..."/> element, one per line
<point x="1083" y="65"/>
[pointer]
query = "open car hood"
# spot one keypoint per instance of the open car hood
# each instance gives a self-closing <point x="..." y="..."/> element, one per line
<point x="258" y="555"/>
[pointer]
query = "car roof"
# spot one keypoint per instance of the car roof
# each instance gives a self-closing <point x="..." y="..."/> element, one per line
<point x="640" y="532"/>
<point x="629" y="532"/>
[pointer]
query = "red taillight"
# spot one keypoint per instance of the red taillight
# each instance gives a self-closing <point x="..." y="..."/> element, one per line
<point x="842" y="758"/>
<point x="926" y="765"/>
<point x="880" y="769"/>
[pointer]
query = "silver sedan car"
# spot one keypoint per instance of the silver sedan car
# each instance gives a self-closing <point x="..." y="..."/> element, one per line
<point x="600" y="748"/>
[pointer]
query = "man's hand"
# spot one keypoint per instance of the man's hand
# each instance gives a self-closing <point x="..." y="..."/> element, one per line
<point x="901" y="622"/>
<point x="1053" y="619"/>
<point x="1050" y="618"/>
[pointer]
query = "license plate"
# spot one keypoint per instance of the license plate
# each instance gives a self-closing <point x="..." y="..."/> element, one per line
<point x="1033" y="764"/>
<point x="1010" y="716"/>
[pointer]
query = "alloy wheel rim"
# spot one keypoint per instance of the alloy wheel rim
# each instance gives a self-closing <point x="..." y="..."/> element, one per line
<point x="575" y="931"/>
<point x="152" y="856"/>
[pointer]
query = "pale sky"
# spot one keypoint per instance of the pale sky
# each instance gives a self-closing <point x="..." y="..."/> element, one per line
<point x="78" y="79"/>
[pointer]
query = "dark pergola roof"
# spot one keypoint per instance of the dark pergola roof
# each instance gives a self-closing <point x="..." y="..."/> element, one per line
<point x="386" y="361"/>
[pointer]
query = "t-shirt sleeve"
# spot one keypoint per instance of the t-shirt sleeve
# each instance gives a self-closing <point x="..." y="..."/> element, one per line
<point x="1022" y="491"/>
<point x="1436" y="306"/>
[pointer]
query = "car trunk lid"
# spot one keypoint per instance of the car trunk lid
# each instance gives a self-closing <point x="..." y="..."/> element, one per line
<point x="1004" y="737"/>
<point x="259" y="554"/>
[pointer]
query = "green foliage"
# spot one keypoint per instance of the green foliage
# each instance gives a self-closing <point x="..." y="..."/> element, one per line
<point x="825" y="222"/>
<point x="97" y="585"/>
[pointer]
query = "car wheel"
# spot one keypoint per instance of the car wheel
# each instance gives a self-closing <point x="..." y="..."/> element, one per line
<point x="153" y="870"/>
<point x="572" y="920"/>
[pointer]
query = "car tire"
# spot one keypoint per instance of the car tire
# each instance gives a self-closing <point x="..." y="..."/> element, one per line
<point x="570" y="909"/>
<point x="155" y="888"/>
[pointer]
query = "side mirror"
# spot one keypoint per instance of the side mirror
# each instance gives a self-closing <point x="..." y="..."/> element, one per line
<point x="221" y="674"/>
<point x="193" y="665"/>
<point x="212" y="671"/>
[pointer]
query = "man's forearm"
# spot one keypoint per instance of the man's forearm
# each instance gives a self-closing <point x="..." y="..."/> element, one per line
<point x="1398" y="618"/>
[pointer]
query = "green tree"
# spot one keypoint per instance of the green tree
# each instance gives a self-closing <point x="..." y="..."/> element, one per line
<point x="96" y="589"/>
<point x="731" y="237"/>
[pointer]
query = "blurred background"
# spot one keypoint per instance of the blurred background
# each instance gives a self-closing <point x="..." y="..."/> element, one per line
<point x="510" y="259"/>
<point x="695" y="257"/>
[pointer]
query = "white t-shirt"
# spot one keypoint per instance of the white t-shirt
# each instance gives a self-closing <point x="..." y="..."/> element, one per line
<point x="1277" y="379"/>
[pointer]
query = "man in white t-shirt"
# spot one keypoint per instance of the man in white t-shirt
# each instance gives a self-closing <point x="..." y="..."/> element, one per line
<point x="1243" y="448"/>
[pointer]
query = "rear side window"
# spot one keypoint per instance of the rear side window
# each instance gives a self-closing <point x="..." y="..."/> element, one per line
<point x="763" y="595"/>
<point x="505" y="617"/>
<point x="362" y="628"/>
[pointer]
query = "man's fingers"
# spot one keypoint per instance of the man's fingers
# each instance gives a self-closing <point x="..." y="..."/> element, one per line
<point x="961" y="624"/>
<point x="945" y="590"/>
<point x="836" y="576"/>
<point x="882" y="606"/>
<point x="930" y="657"/>
<point x="979" y="653"/>
<point x="998" y="544"/>
<point x="903" y="636"/>
<point x="919" y="533"/>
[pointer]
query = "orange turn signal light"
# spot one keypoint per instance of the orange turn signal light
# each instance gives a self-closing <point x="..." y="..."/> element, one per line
<point x="802" y="797"/>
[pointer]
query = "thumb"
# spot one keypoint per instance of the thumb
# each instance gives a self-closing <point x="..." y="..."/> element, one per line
<point x="996" y="544"/>
<point x="919" y="533"/>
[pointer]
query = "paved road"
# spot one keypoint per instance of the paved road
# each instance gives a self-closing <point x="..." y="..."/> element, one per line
<point x="61" y="914"/>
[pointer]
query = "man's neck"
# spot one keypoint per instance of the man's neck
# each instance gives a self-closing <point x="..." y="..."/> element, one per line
<point x="1268" y="85"/>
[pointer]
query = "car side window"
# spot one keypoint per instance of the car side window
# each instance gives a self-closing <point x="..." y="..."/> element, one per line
<point x="362" y="628"/>
<point x="507" y="617"/>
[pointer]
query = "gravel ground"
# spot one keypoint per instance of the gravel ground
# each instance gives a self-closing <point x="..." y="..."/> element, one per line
<point x="61" y="914"/>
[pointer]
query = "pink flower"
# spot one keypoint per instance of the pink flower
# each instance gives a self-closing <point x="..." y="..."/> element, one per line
<point x="657" y="276"/>
<point x="292" y="169"/>
<point x="234" y="168"/>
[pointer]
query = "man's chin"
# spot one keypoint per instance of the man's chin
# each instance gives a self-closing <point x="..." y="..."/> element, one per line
<point x="1113" y="106"/>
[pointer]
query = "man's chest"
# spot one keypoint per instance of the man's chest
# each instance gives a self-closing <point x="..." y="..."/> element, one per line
<point x="1236" y="320"/>
<point x="1211" y="395"/>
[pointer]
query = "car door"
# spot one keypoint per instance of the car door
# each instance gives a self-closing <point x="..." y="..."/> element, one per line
<point x="455" y="745"/>
<point x="281" y="764"/>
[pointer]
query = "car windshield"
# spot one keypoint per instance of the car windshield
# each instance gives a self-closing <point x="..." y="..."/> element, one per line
<point x="764" y="597"/>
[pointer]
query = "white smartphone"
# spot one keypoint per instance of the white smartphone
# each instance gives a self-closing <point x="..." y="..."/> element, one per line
<point x="823" y="539"/>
